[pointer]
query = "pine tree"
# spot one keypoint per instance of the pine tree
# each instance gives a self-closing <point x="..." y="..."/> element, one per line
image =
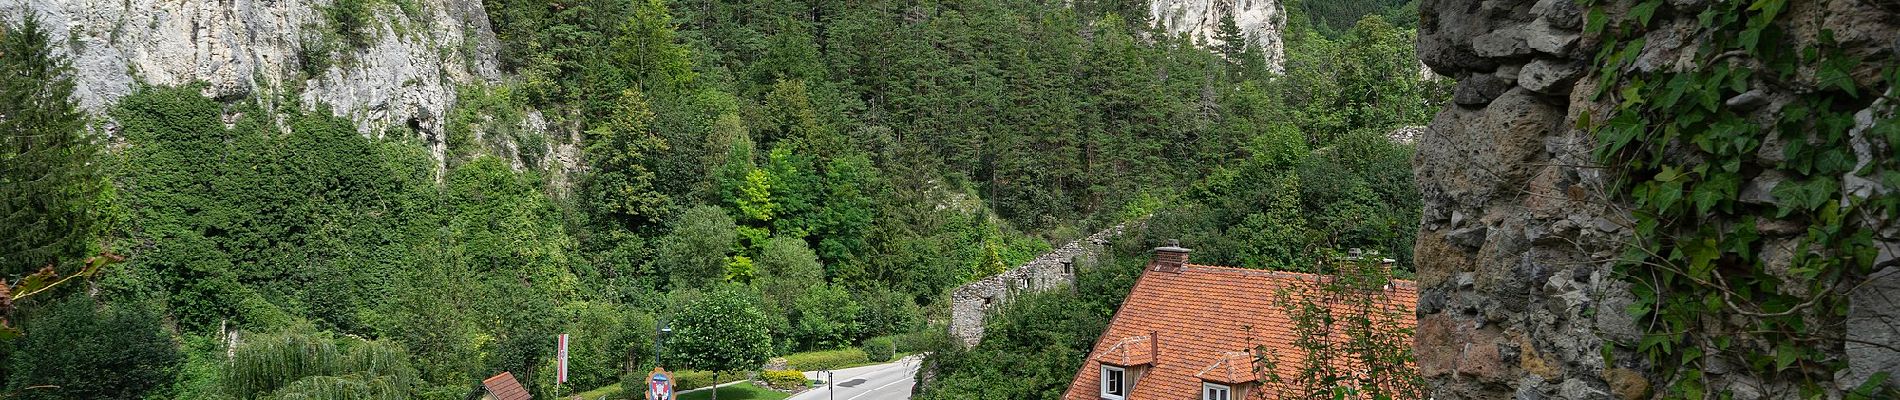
<point x="1233" y="42"/>
<point x="49" y="184"/>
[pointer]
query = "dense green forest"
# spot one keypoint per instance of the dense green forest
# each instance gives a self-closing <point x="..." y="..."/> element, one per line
<point x="816" y="173"/>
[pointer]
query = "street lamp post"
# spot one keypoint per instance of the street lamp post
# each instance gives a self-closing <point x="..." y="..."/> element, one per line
<point x="659" y="342"/>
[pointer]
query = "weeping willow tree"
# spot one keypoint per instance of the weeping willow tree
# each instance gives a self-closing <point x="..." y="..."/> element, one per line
<point x="301" y="366"/>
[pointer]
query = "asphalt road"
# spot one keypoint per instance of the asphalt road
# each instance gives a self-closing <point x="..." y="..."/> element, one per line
<point x="874" y="382"/>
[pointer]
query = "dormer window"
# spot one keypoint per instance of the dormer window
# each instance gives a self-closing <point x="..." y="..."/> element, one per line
<point x="1211" y="391"/>
<point x="1114" y="383"/>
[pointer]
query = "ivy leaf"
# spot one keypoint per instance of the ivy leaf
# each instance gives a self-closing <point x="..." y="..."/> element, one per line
<point x="1750" y="38"/>
<point x="1713" y="191"/>
<point x="1785" y="355"/>
<point x="1744" y="236"/>
<point x="1804" y="196"/>
<point x="1668" y="174"/>
<point x="1769" y="8"/>
<point x="1838" y="72"/>
<point x="1642" y="12"/>
<point x="1666" y="196"/>
<point x="1702" y="255"/>
<point x="1833" y="161"/>
<point x="1595" y="21"/>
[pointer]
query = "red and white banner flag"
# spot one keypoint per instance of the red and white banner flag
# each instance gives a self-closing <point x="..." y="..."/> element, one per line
<point x="560" y="374"/>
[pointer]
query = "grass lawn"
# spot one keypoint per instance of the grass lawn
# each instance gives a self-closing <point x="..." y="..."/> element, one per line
<point x="742" y="391"/>
<point x="602" y="392"/>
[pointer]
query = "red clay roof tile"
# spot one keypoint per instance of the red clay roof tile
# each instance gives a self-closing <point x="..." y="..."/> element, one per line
<point x="1200" y="324"/>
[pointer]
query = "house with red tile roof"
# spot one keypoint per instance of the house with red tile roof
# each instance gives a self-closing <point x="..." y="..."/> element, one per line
<point x="1190" y="332"/>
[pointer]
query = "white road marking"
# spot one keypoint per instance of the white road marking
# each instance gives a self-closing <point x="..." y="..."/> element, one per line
<point x="874" y="390"/>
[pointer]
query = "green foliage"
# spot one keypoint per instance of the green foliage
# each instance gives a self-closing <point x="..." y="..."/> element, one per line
<point x="916" y="342"/>
<point x="621" y="186"/>
<point x="894" y="156"/>
<point x="827" y="359"/>
<point x="1698" y="261"/>
<point x="648" y="48"/>
<point x="684" y="380"/>
<point x="879" y="349"/>
<point x="74" y="348"/>
<point x="299" y="221"/>
<point x="1033" y="344"/>
<point x="1346" y="340"/>
<point x="313" y="366"/>
<point x="785" y="380"/>
<point x="52" y="194"/>
<point x="825" y="317"/>
<point x="887" y="312"/>
<point x="695" y="254"/>
<point x="494" y="115"/>
<point x="605" y="342"/>
<point x="722" y="331"/>
<point x="1333" y="18"/>
<point x="354" y="20"/>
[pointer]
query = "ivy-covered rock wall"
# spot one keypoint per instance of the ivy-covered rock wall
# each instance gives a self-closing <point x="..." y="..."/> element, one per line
<point x="1660" y="199"/>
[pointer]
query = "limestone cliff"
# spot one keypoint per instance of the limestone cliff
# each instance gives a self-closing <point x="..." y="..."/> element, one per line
<point x="1521" y="224"/>
<point x="404" y="76"/>
<point x="1260" y="20"/>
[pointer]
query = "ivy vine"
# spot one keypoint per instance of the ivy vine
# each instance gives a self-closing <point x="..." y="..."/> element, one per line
<point x="1683" y="144"/>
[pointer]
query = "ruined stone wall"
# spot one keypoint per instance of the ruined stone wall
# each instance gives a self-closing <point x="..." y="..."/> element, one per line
<point x="1053" y="270"/>
<point x="1518" y="293"/>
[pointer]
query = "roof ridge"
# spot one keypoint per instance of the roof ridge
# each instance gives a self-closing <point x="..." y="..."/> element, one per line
<point x="1277" y="273"/>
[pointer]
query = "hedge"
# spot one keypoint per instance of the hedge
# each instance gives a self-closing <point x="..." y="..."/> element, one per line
<point x="828" y="359"/>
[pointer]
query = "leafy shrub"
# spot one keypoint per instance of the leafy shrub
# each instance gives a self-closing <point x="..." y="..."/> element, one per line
<point x="887" y="311"/>
<point x="785" y="380"/>
<point x="116" y="352"/>
<point x="829" y="359"/>
<point x="879" y="349"/>
<point x="916" y="342"/>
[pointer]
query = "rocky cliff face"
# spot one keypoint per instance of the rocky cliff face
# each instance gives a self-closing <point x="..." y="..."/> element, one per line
<point x="1518" y="296"/>
<point x="1261" y="20"/>
<point x="417" y="52"/>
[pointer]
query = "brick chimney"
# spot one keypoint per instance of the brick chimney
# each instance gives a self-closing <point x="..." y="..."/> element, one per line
<point x="1171" y="258"/>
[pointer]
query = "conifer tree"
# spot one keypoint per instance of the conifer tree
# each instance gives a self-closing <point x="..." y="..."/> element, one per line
<point x="49" y="183"/>
<point x="1233" y="42"/>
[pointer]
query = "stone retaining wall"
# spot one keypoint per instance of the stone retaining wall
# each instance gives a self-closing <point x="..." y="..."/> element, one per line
<point x="1055" y="269"/>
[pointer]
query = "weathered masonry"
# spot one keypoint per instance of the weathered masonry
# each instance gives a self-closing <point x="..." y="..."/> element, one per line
<point x="1519" y="297"/>
<point x="1055" y="269"/>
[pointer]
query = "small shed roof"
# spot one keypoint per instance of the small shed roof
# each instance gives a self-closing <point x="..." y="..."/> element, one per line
<point x="505" y="387"/>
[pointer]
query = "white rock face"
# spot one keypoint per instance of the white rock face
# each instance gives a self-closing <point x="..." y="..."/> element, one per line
<point x="406" y="77"/>
<point x="1260" y="20"/>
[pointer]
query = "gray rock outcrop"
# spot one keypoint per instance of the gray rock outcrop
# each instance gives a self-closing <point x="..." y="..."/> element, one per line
<point x="405" y="78"/>
<point x="1260" y="20"/>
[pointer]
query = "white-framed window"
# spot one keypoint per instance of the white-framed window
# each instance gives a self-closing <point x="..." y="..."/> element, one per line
<point x="1114" y="383"/>
<point x="1210" y="391"/>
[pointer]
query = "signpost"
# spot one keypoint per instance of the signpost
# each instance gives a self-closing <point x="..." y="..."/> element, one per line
<point x="660" y="385"/>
